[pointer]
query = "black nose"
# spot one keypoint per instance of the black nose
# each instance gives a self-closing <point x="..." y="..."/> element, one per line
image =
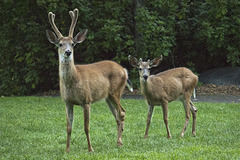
<point x="68" y="52"/>
<point x="145" y="77"/>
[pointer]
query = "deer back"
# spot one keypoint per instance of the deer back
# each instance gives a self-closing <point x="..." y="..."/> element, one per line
<point x="169" y="85"/>
<point x="93" y="82"/>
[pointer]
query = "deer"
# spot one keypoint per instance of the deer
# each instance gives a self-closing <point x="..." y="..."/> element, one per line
<point x="85" y="84"/>
<point x="165" y="87"/>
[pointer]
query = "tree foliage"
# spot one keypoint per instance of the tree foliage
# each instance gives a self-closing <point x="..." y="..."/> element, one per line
<point x="196" y="34"/>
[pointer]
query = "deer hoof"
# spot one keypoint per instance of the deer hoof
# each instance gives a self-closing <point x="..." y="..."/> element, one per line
<point x="194" y="134"/>
<point x="68" y="149"/>
<point x="90" y="149"/>
<point x="181" y="135"/>
<point x="119" y="144"/>
<point x="146" y="136"/>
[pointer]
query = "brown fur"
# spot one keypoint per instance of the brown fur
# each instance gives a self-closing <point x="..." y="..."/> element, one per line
<point x="169" y="85"/>
<point x="165" y="87"/>
<point x="91" y="83"/>
<point x="86" y="84"/>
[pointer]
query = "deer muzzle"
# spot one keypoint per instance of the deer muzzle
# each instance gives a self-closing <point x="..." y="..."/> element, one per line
<point x="145" y="77"/>
<point x="68" y="53"/>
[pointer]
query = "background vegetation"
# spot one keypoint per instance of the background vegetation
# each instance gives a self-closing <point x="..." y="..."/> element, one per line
<point x="199" y="34"/>
<point x="35" y="128"/>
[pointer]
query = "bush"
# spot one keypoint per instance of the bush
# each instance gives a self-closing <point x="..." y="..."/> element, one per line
<point x="27" y="63"/>
<point x="196" y="34"/>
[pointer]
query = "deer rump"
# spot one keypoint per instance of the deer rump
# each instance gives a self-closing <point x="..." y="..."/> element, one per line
<point x="161" y="87"/>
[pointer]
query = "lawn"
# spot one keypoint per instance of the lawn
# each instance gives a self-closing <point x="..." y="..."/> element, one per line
<point x="35" y="128"/>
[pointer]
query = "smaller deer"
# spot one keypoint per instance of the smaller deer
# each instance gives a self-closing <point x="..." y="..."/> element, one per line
<point x="164" y="87"/>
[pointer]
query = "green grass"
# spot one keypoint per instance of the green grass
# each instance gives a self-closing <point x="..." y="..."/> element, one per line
<point x="35" y="128"/>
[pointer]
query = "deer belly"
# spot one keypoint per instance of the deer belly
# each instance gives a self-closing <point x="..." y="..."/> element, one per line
<point x="93" y="91"/>
<point x="100" y="92"/>
<point x="85" y="91"/>
<point x="71" y="98"/>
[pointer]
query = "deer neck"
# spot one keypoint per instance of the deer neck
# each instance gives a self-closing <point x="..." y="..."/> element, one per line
<point x="67" y="70"/>
<point x="144" y="85"/>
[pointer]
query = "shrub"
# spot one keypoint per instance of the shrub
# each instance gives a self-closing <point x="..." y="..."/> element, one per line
<point x="196" y="34"/>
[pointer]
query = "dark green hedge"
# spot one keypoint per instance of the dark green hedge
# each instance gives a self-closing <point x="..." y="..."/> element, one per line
<point x="197" y="34"/>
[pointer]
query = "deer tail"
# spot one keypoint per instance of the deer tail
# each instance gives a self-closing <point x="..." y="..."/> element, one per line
<point x="194" y="93"/>
<point x="129" y="83"/>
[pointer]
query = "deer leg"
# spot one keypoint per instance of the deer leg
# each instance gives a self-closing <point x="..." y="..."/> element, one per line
<point x="114" y="112"/>
<point x="112" y="108"/>
<point x="165" y="118"/>
<point x="187" y="115"/>
<point x="193" y="109"/>
<point x="119" y="114"/>
<point x="149" y="118"/>
<point x="69" y="115"/>
<point x="86" y="111"/>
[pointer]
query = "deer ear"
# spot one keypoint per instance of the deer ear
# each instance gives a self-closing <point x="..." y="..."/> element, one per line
<point x="133" y="61"/>
<point x="80" y="37"/>
<point x="52" y="38"/>
<point x="156" y="61"/>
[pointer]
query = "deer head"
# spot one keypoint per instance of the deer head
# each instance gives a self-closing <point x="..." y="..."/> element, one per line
<point x="65" y="44"/>
<point x="144" y="67"/>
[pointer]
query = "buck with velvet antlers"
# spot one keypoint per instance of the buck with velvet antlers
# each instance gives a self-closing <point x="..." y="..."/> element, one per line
<point x="165" y="87"/>
<point x="86" y="84"/>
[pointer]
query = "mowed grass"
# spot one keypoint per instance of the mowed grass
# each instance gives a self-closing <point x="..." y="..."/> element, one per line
<point x="35" y="128"/>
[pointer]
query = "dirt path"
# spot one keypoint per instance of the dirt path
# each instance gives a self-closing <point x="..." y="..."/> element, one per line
<point x="201" y="98"/>
<point x="205" y="93"/>
<point x="217" y="99"/>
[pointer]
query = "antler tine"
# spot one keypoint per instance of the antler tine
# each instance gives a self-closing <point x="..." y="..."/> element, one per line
<point x="74" y="17"/>
<point x="51" y="18"/>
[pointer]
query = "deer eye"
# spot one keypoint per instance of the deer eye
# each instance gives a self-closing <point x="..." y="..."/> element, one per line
<point x="73" y="44"/>
<point x="60" y="44"/>
<point x="140" y="69"/>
